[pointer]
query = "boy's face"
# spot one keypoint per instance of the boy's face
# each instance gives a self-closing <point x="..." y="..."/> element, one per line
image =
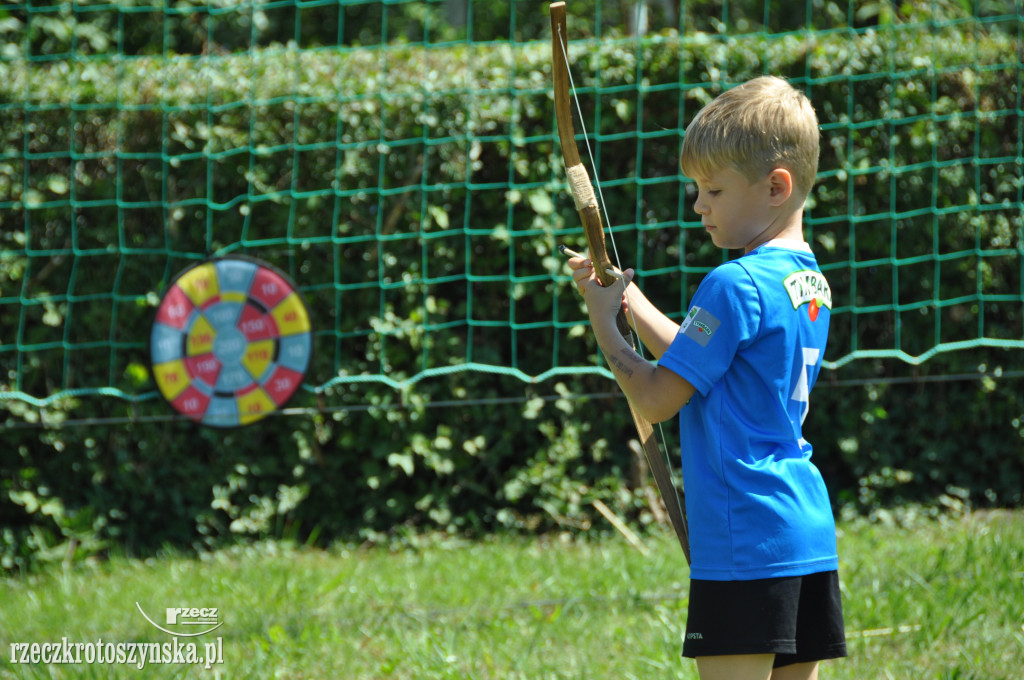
<point x="735" y="212"/>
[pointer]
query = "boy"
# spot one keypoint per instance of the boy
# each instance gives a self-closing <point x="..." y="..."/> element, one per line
<point x="764" y="594"/>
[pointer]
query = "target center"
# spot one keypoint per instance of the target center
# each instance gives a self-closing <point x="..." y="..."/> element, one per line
<point x="229" y="345"/>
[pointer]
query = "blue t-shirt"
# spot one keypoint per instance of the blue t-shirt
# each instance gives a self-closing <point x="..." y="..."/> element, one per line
<point x="752" y="344"/>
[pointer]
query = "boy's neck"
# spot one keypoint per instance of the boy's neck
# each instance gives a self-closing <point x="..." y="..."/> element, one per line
<point x="788" y="244"/>
<point x="791" y="228"/>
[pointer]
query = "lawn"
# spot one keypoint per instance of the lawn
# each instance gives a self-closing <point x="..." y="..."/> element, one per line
<point x="938" y="599"/>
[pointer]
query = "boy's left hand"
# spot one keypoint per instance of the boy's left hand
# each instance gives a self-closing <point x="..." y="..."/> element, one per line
<point x="599" y="298"/>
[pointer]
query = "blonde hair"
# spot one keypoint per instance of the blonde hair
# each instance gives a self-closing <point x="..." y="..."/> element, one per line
<point x="755" y="128"/>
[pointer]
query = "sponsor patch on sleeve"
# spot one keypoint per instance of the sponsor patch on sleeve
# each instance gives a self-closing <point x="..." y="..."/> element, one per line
<point x="699" y="325"/>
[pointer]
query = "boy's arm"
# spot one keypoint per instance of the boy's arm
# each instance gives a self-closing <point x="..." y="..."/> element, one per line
<point x="656" y="330"/>
<point x="654" y="391"/>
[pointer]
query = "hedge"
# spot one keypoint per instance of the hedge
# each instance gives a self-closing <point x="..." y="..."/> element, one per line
<point x="239" y="144"/>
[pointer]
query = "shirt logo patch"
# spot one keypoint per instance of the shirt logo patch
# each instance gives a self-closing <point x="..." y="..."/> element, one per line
<point x="699" y="325"/>
<point x="808" y="287"/>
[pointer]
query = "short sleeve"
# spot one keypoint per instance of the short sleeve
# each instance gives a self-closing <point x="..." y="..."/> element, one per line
<point x="724" y="316"/>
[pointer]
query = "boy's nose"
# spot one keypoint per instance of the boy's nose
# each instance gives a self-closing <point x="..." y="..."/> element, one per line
<point x="699" y="207"/>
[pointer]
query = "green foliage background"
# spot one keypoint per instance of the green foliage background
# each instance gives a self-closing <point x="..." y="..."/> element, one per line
<point x="155" y="181"/>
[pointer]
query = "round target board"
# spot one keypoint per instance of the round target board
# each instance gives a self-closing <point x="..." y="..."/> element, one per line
<point x="231" y="342"/>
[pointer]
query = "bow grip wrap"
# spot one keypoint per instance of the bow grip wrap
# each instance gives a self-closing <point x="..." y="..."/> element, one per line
<point x="579" y="184"/>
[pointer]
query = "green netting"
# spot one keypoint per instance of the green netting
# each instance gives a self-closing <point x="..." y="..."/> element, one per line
<point x="397" y="160"/>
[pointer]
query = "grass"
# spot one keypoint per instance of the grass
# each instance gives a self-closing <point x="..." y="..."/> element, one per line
<point x="942" y="600"/>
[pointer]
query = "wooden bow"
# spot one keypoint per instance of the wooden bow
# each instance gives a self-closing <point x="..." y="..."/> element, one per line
<point x="586" y="204"/>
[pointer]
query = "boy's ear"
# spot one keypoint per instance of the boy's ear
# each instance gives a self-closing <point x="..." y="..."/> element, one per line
<point x="780" y="186"/>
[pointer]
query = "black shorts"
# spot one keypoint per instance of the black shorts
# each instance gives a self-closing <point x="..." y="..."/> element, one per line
<point x="799" y="618"/>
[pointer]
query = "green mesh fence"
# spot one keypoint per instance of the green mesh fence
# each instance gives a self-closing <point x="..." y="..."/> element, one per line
<point x="397" y="161"/>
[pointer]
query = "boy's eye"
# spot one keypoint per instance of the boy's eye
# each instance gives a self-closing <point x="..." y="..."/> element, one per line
<point x="714" y="192"/>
